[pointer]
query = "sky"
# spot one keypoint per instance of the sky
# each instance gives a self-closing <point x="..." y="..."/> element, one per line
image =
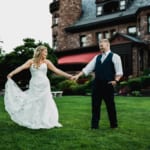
<point x="20" y="19"/>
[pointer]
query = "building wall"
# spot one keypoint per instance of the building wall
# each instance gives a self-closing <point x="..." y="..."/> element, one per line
<point x="69" y="11"/>
<point x="72" y="40"/>
<point x="135" y="63"/>
<point x="143" y="25"/>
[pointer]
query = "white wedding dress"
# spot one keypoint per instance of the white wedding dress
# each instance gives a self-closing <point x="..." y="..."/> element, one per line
<point x="35" y="107"/>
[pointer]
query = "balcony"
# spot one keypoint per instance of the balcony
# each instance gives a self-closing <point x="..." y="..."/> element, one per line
<point x="54" y="6"/>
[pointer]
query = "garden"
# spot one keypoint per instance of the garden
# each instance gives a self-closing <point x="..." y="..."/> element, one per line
<point x="133" y="86"/>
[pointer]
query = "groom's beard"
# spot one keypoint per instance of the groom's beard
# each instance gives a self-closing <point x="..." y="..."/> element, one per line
<point x="102" y="50"/>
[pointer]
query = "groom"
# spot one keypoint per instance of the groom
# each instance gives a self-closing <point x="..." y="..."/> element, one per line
<point x="108" y="71"/>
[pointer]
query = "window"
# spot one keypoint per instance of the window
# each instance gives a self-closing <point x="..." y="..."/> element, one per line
<point x="148" y="24"/>
<point x="106" y="35"/>
<point x="88" y="39"/>
<point x="55" y="44"/>
<point x="55" y="21"/>
<point x="99" y="10"/>
<point x="111" y="7"/>
<point x="99" y="36"/>
<point x="83" y="41"/>
<point x="122" y="5"/>
<point x="112" y="32"/>
<point x="132" y="31"/>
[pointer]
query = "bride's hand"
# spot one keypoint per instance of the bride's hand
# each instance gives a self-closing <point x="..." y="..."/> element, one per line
<point x="69" y="76"/>
<point x="75" y="77"/>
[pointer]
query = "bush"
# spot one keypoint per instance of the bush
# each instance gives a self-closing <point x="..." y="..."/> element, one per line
<point x="136" y="93"/>
<point x="146" y="71"/>
<point x="123" y="88"/>
<point x="54" y="82"/>
<point x="123" y="84"/>
<point x="134" y="84"/>
<point x="67" y="86"/>
<point x="70" y="87"/>
<point x="83" y="89"/>
<point x="83" y="79"/>
<point x="79" y="89"/>
<point x="145" y="81"/>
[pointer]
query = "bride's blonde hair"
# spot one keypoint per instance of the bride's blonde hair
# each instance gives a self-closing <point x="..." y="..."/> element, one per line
<point x="37" y="55"/>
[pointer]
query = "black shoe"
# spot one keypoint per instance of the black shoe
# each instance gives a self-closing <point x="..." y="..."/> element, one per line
<point x="94" y="124"/>
<point x="94" y="127"/>
<point x="114" y="127"/>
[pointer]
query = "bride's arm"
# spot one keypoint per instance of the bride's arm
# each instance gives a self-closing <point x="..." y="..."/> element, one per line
<point x="26" y="65"/>
<point x="56" y="70"/>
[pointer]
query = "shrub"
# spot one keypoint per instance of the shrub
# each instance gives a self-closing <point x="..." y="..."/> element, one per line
<point x="83" y="79"/>
<point x="56" y="79"/>
<point x="145" y="81"/>
<point x="54" y="82"/>
<point x="136" y="93"/>
<point x="134" y="84"/>
<point x="146" y="71"/>
<point x="78" y="89"/>
<point x="70" y="87"/>
<point x="67" y="86"/>
<point x="123" y="88"/>
<point x="123" y="84"/>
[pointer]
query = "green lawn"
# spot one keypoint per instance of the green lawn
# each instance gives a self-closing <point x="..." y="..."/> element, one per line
<point x="75" y="114"/>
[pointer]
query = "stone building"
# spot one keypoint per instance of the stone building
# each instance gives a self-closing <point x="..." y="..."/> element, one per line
<point x="78" y="25"/>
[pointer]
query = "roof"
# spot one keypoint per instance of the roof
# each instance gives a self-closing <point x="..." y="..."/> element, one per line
<point x="131" y="38"/>
<point x="89" y="13"/>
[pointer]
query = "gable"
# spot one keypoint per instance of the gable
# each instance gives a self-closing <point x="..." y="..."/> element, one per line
<point x="118" y="39"/>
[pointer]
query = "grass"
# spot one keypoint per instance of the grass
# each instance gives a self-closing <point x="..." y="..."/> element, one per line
<point x="75" y="115"/>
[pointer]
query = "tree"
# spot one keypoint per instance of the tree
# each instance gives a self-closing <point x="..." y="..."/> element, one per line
<point x="19" y="56"/>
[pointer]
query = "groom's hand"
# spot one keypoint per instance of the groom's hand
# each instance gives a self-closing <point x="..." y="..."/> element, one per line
<point x="75" y="77"/>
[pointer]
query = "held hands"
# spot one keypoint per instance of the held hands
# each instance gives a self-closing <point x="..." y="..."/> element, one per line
<point x="75" y="77"/>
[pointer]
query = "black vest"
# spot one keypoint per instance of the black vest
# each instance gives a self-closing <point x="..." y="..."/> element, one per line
<point x="104" y="71"/>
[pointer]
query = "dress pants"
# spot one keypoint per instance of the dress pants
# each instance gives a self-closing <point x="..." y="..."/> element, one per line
<point x="101" y="90"/>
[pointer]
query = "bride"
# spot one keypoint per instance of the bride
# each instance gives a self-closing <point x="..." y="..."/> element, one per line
<point x="35" y="107"/>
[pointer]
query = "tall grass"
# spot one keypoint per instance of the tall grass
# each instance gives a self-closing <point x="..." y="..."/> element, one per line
<point x="75" y="114"/>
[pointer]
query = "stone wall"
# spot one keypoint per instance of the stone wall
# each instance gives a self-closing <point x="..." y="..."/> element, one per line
<point x="135" y="62"/>
<point x="69" y="12"/>
<point x="72" y="40"/>
<point x="143" y="25"/>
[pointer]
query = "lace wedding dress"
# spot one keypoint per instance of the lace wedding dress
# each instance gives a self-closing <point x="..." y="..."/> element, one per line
<point x="35" y="107"/>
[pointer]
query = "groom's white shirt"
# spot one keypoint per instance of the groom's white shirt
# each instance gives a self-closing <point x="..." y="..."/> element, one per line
<point x="115" y="59"/>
